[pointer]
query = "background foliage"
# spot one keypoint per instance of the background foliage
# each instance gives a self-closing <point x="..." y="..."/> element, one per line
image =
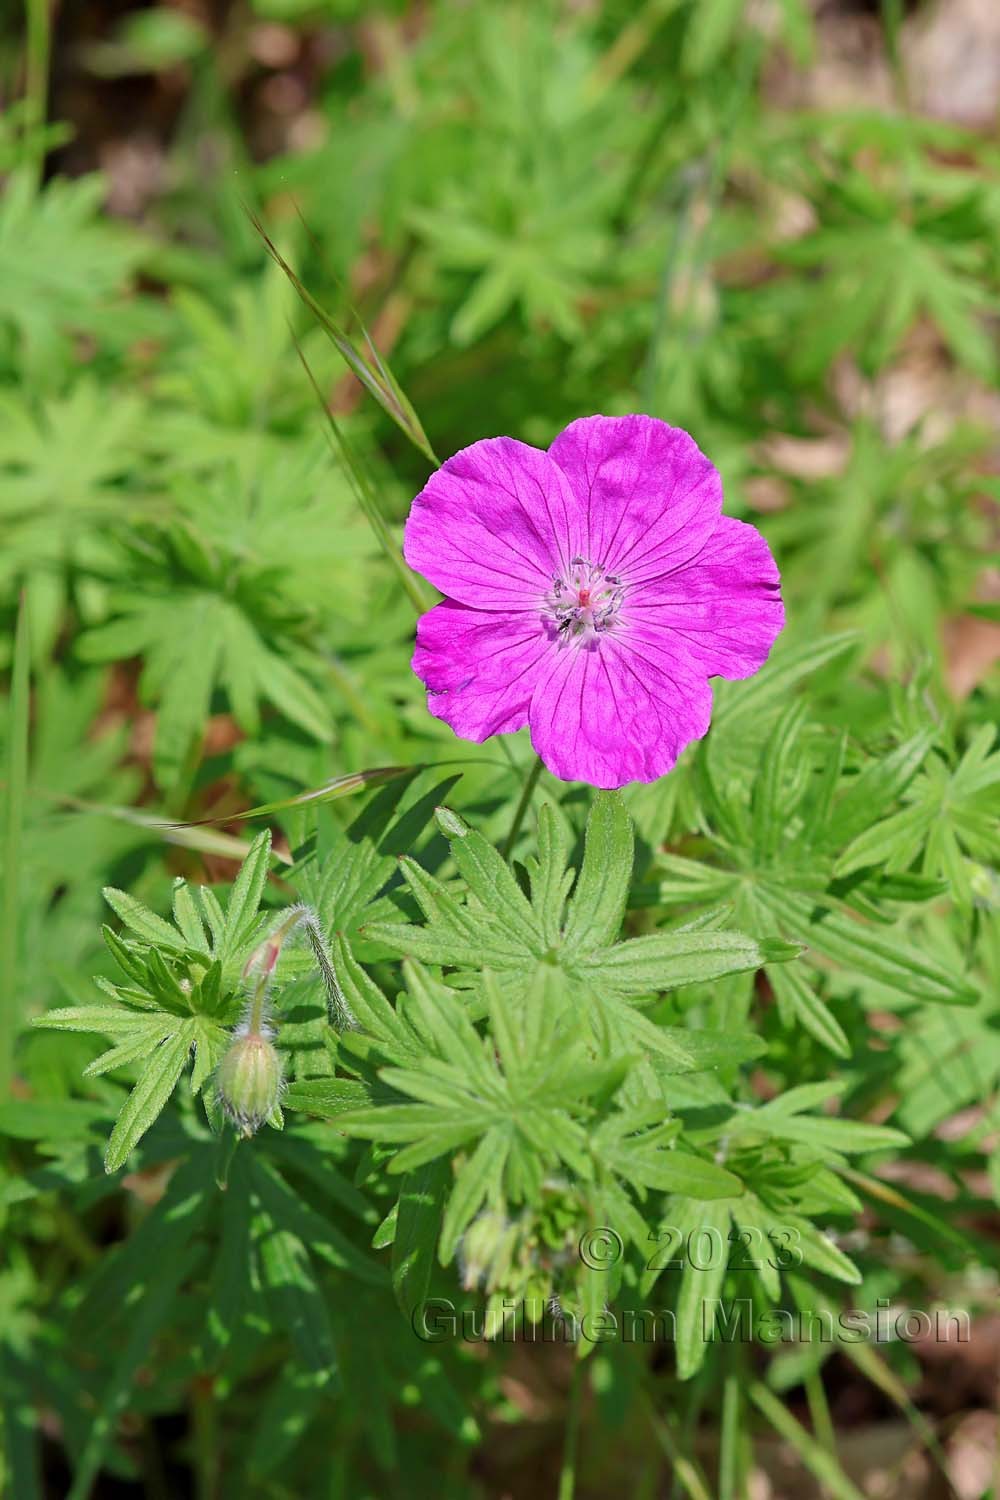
<point x="752" y="1005"/>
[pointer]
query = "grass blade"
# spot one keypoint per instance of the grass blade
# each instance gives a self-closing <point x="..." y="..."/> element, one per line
<point x="364" y="491"/>
<point x="822" y="1465"/>
<point x="330" y="791"/>
<point x="375" y="377"/>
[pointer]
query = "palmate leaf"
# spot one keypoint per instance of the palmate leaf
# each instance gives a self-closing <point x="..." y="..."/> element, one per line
<point x="785" y="869"/>
<point x="787" y="1118"/>
<point x="466" y="1090"/>
<point x="520" y="1103"/>
<point x="63" y="463"/>
<point x="498" y="927"/>
<point x="295" y="1302"/>
<point x="888" y="958"/>
<point x="946" y="813"/>
<point x="192" y="643"/>
<point x="911" y="267"/>
<point x="181" y="990"/>
<point x="45" y="292"/>
<point x="351" y="866"/>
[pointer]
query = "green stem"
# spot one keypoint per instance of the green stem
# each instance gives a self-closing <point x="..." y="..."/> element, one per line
<point x="567" y="1474"/>
<point x="729" y="1439"/>
<point x="531" y="781"/>
<point x="13" y="823"/>
<point x="819" y="1411"/>
<point x="36" y="74"/>
<point x="225" y="1150"/>
<point x="686" y="1472"/>
<point x="256" y="1018"/>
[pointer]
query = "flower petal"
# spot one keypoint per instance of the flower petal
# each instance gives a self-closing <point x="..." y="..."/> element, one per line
<point x="479" y="666"/>
<point x="724" y="608"/>
<point x="493" y="525"/>
<point x="605" y="714"/>
<point x="650" y="496"/>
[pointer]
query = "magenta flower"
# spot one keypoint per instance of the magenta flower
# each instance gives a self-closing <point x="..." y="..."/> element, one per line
<point x="592" y="591"/>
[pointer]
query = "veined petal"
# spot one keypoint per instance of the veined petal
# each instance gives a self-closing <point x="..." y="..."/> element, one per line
<point x="494" y="525"/>
<point x="649" y="495"/>
<point x="607" y="714"/>
<point x="479" y="667"/>
<point x="723" y="608"/>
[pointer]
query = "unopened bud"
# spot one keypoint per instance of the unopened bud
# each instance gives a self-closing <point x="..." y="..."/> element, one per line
<point x="248" y="1081"/>
<point x="485" y="1250"/>
<point x="984" y="885"/>
<point x="263" y="958"/>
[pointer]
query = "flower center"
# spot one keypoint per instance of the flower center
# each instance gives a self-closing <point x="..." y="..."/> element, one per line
<point x="584" y="600"/>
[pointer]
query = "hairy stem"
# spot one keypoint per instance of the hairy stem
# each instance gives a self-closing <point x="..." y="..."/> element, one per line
<point x="255" y="1020"/>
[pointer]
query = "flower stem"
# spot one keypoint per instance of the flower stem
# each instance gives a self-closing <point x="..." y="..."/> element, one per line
<point x="531" y="781"/>
<point x="567" y="1474"/>
<point x="256" y="1017"/>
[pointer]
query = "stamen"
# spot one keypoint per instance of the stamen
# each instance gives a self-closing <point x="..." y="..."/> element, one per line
<point x="585" y="603"/>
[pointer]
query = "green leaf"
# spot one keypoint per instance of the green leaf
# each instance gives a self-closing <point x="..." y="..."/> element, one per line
<point x="699" y="1288"/>
<point x="891" y="961"/>
<point x="326" y="1240"/>
<point x="875" y="789"/>
<point x="108" y="1020"/>
<point x="700" y="1050"/>
<point x="550" y="879"/>
<point x="326" y="1097"/>
<point x="244" y="899"/>
<point x="786" y="667"/>
<point x="150" y="1094"/>
<point x="489" y="878"/>
<point x="11" y="843"/>
<point x="291" y="1289"/>
<point x="150" y="1316"/>
<point x="665" y="960"/>
<point x="597" y="906"/>
<point x="188" y="918"/>
<point x="20" y="1461"/>
<point x="750" y="1214"/>
<point x="672" y="1171"/>
<point x="800" y="1000"/>
<point x="770" y="809"/>
<point x="51" y="1119"/>
<point x="823" y="1133"/>
<point x="477" y="1178"/>
<point x="144" y="923"/>
<point x="418" y="1221"/>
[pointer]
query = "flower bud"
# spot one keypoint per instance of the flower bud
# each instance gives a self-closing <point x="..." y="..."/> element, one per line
<point x="248" y="1081"/>
<point x="485" y="1251"/>
<point x="984" y="885"/>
